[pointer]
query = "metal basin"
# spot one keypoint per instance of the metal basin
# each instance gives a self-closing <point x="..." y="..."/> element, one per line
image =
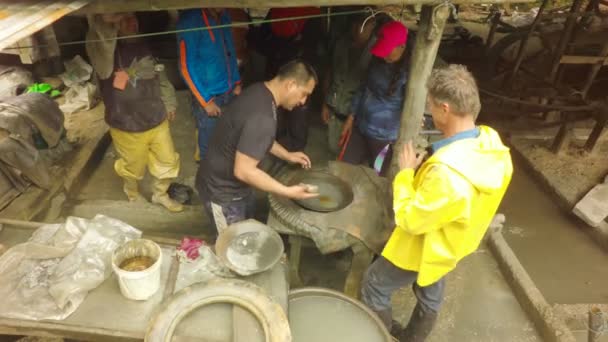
<point x="323" y="315"/>
<point x="249" y="247"/>
<point x="334" y="193"/>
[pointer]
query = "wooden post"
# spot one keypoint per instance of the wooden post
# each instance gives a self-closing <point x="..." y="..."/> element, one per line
<point x="595" y="69"/>
<point x="524" y="43"/>
<point x="490" y="39"/>
<point x="596" y="133"/>
<point x="565" y="39"/>
<point x="563" y="137"/>
<point x="596" y="323"/>
<point x="430" y="30"/>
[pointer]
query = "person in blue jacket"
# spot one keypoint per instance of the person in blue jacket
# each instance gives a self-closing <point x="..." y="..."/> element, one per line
<point x="373" y="126"/>
<point x="208" y="64"/>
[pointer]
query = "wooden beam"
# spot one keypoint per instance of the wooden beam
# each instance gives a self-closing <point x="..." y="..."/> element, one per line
<point x="432" y="23"/>
<point x="583" y="60"/>
<point x="111" y="6"/>
<point x="25" y="19"/>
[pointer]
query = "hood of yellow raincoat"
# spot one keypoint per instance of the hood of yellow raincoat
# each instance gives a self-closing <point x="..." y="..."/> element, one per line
<point x="443" y="210"/>
<point x="483" y="161"/>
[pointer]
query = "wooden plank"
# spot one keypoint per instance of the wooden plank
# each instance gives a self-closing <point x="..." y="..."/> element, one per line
<point x="81" y="159"/>
<point x="25" y="19"/>
<point x="112" y="6"/>
<point x="583" y="60"/>
<point x="10" y="326"/>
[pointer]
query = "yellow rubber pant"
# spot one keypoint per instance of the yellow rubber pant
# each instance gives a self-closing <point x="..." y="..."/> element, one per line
<point x="152" y="148"/>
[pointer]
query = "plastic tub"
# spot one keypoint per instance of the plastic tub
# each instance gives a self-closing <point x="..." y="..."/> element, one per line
<point x="140" y="284"/>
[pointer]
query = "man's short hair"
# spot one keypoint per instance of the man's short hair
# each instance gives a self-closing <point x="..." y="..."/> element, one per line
<point x="456" y="86"/>
<point x="299" y="71"/>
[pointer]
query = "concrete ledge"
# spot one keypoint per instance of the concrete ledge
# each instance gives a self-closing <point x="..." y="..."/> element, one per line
<point x="148" y="217"/>
<point x="550" y="326"/>
<point x="599" y="235"/>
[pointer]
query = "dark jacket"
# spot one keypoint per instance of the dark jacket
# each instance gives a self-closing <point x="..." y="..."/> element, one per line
<point x="148" y="96"/>
<point x="378" y="113"/>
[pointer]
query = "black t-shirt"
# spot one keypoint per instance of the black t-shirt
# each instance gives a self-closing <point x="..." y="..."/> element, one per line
<point x="248" y="125"/>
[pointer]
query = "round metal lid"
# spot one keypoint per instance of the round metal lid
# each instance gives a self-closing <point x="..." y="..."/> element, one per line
<point x="323" y="315"/>
<point x="334" y="193"/>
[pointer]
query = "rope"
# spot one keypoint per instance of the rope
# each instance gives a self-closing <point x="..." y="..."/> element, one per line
<point x="238" y="24"/>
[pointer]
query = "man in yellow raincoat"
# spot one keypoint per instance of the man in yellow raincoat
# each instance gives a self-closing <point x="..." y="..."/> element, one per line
<point x="442" y="210"/>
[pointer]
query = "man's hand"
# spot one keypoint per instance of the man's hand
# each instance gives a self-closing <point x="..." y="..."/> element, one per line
<point x="346" y="130"/>
<point x="300" y="191"/>
<point x="299" y="158"/>
<point x="171" y="116"/>
<point x="237" y="90"/>
<point x="325" y="113"/>
<point x="408" y="158"/>
<point x="212" y="109"/>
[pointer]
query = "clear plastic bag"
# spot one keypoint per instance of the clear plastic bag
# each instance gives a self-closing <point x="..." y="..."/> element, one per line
<point x="49" y="276"/>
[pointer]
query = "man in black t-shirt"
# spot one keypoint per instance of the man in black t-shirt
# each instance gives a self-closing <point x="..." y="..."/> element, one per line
<point x="244" y="134"/>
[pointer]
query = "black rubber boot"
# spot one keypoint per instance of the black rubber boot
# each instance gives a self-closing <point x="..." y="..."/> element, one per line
<point x="420" y="326"/>
<point x="386" y="316"/>
<point x="394" y="327"/>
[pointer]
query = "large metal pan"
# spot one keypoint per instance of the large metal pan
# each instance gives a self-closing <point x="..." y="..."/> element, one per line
<point x="334" y="193"/>
<point x="323" y="315"/>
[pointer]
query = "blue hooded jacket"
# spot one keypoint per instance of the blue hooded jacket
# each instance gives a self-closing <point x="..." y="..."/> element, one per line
<point x="378" y="113"/>
<point x="208" y="61"/>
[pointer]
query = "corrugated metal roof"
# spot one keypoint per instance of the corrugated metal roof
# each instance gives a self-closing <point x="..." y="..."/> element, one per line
<point x="21" y="18"/>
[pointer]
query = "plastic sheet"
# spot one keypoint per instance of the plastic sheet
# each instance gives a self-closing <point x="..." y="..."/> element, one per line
<point x="205" y="267"/>
<point x="49" y="276"/>
<point x="81" y="92"/>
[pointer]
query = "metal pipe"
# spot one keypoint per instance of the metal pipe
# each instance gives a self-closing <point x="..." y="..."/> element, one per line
<point x="524" y="42"/>
<point x="565" y="39"/>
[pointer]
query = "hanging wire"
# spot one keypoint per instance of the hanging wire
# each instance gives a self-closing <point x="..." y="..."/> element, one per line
<point x="373" y="14"/>
<point x="162" y="33"/>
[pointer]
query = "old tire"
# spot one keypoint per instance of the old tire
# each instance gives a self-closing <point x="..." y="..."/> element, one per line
<point x="269" y="314"/>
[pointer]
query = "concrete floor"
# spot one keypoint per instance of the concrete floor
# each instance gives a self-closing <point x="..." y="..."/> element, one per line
<point x="479" y="305"/>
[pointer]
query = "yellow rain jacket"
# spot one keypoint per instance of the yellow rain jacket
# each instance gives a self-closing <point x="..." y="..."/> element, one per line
<point x="443" y="211"/>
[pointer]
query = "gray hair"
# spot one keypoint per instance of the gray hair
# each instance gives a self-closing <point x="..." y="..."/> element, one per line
<point x="456" y="86"/>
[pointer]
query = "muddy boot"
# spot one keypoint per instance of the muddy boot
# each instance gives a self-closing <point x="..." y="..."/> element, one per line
<point x="161" y="197"/>
<point x="131" y="190"/>
<point x="420" y="326"/>
<point x="386" y="316"/>
<point x="396" y="329"/>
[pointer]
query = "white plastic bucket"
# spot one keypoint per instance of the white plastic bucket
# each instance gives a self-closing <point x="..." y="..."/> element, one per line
<point x="138" y="285"/>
